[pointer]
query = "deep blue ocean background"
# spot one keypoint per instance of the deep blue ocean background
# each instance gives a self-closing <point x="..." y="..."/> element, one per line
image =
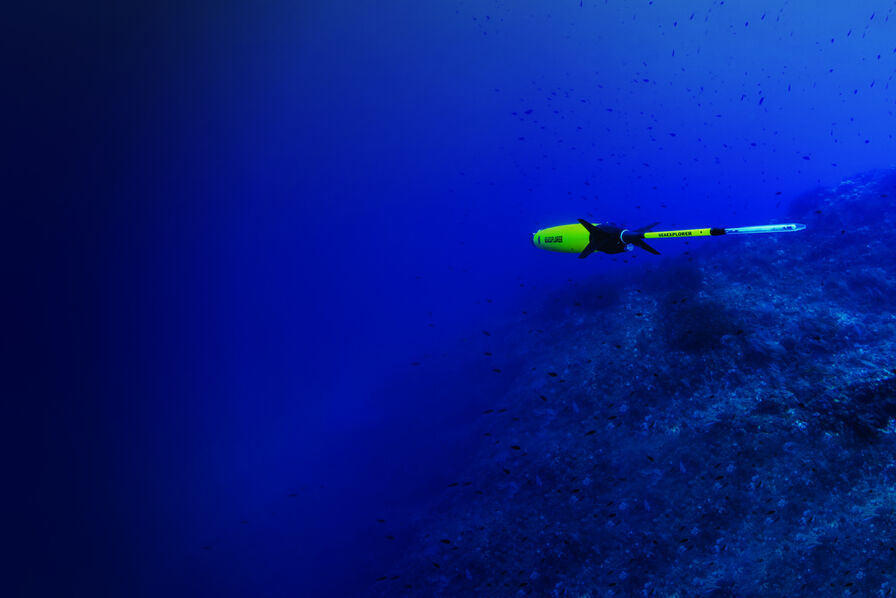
<point x="254" y="256"/>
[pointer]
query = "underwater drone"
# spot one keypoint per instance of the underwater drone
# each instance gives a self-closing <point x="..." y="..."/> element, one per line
<point x="585" y="238"/>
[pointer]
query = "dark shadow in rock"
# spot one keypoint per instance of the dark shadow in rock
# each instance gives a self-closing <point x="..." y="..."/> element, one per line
<point x="696" y="326"/>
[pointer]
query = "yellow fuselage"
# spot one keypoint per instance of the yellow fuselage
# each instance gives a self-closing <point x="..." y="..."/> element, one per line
<point x="566" y="238"/>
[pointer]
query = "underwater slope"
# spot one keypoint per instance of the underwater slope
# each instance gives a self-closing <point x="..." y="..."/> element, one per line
<point x="728" y="426"/>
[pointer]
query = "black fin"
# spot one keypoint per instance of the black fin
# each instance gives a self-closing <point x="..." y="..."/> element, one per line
<point x="644" y="229"/>
<point x="589" y="249"/>
<point x="590" y="227"/>
<point x="640" y="243"/>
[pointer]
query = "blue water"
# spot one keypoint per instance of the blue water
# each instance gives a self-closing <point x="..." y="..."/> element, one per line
<point x="252" y="255"/>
